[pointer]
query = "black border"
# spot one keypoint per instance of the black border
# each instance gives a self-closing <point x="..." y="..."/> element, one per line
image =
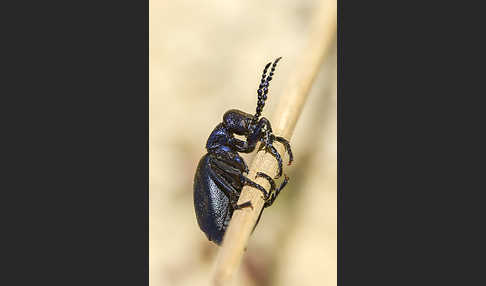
<point x="76" y="90"/>
<point x="407" y="132"/>
<point x="340" y="57"/>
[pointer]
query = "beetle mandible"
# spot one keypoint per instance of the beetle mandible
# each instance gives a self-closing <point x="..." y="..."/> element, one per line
<point x="220" y="174"/>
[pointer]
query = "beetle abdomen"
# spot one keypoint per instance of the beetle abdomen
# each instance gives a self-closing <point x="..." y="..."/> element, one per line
<point x="210" y="203"/>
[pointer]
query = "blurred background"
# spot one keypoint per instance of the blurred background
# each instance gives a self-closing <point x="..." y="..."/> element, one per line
<point x="207" y="57"/>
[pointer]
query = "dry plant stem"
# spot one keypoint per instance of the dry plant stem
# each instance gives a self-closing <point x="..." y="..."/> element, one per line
<point x="284" y="121"/>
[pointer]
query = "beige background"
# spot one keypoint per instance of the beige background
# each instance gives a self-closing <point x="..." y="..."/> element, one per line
<point x="207" y="57"/>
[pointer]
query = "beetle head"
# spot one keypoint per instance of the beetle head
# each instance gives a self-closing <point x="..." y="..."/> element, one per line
<point x="237" y="121"/>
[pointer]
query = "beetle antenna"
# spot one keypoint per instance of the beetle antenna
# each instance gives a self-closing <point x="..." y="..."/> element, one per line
<point x="263" y="89"/>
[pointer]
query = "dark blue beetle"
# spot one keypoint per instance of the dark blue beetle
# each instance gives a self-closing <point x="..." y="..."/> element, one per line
<point x="220" y="174"/>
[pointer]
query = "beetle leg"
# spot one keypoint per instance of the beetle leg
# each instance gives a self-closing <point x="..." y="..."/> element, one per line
<point x="232" y="193"/>
<point x="241" y="162"/>
<point x="248" y="182"/>
<point x="226" y="166"/>
<point x="226" y="169"/>
<point x="229" y="170"/>
<point x="270" y="180"/>
<point x="229" y="211"/>
<point x="286" y="145"/>
<point x="242" y="146"/>
<point x="269" y="148"/>
<point x="275" y="153"/>
<point x="276" y="193"/>
<point x="267" y="144"/>
<point x="264" y="123"/>
<point x="243" y="180"/>
<point x="233" y="159"/>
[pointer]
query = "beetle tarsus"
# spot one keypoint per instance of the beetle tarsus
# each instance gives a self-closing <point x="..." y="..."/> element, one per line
<point x="287" y="147"/>
<point x="250" y="183"/>
<point x="277" y="192"/>
<point x="270" y="180"/>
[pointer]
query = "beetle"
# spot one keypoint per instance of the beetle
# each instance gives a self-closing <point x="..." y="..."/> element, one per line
<point x="220" y="174"/>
